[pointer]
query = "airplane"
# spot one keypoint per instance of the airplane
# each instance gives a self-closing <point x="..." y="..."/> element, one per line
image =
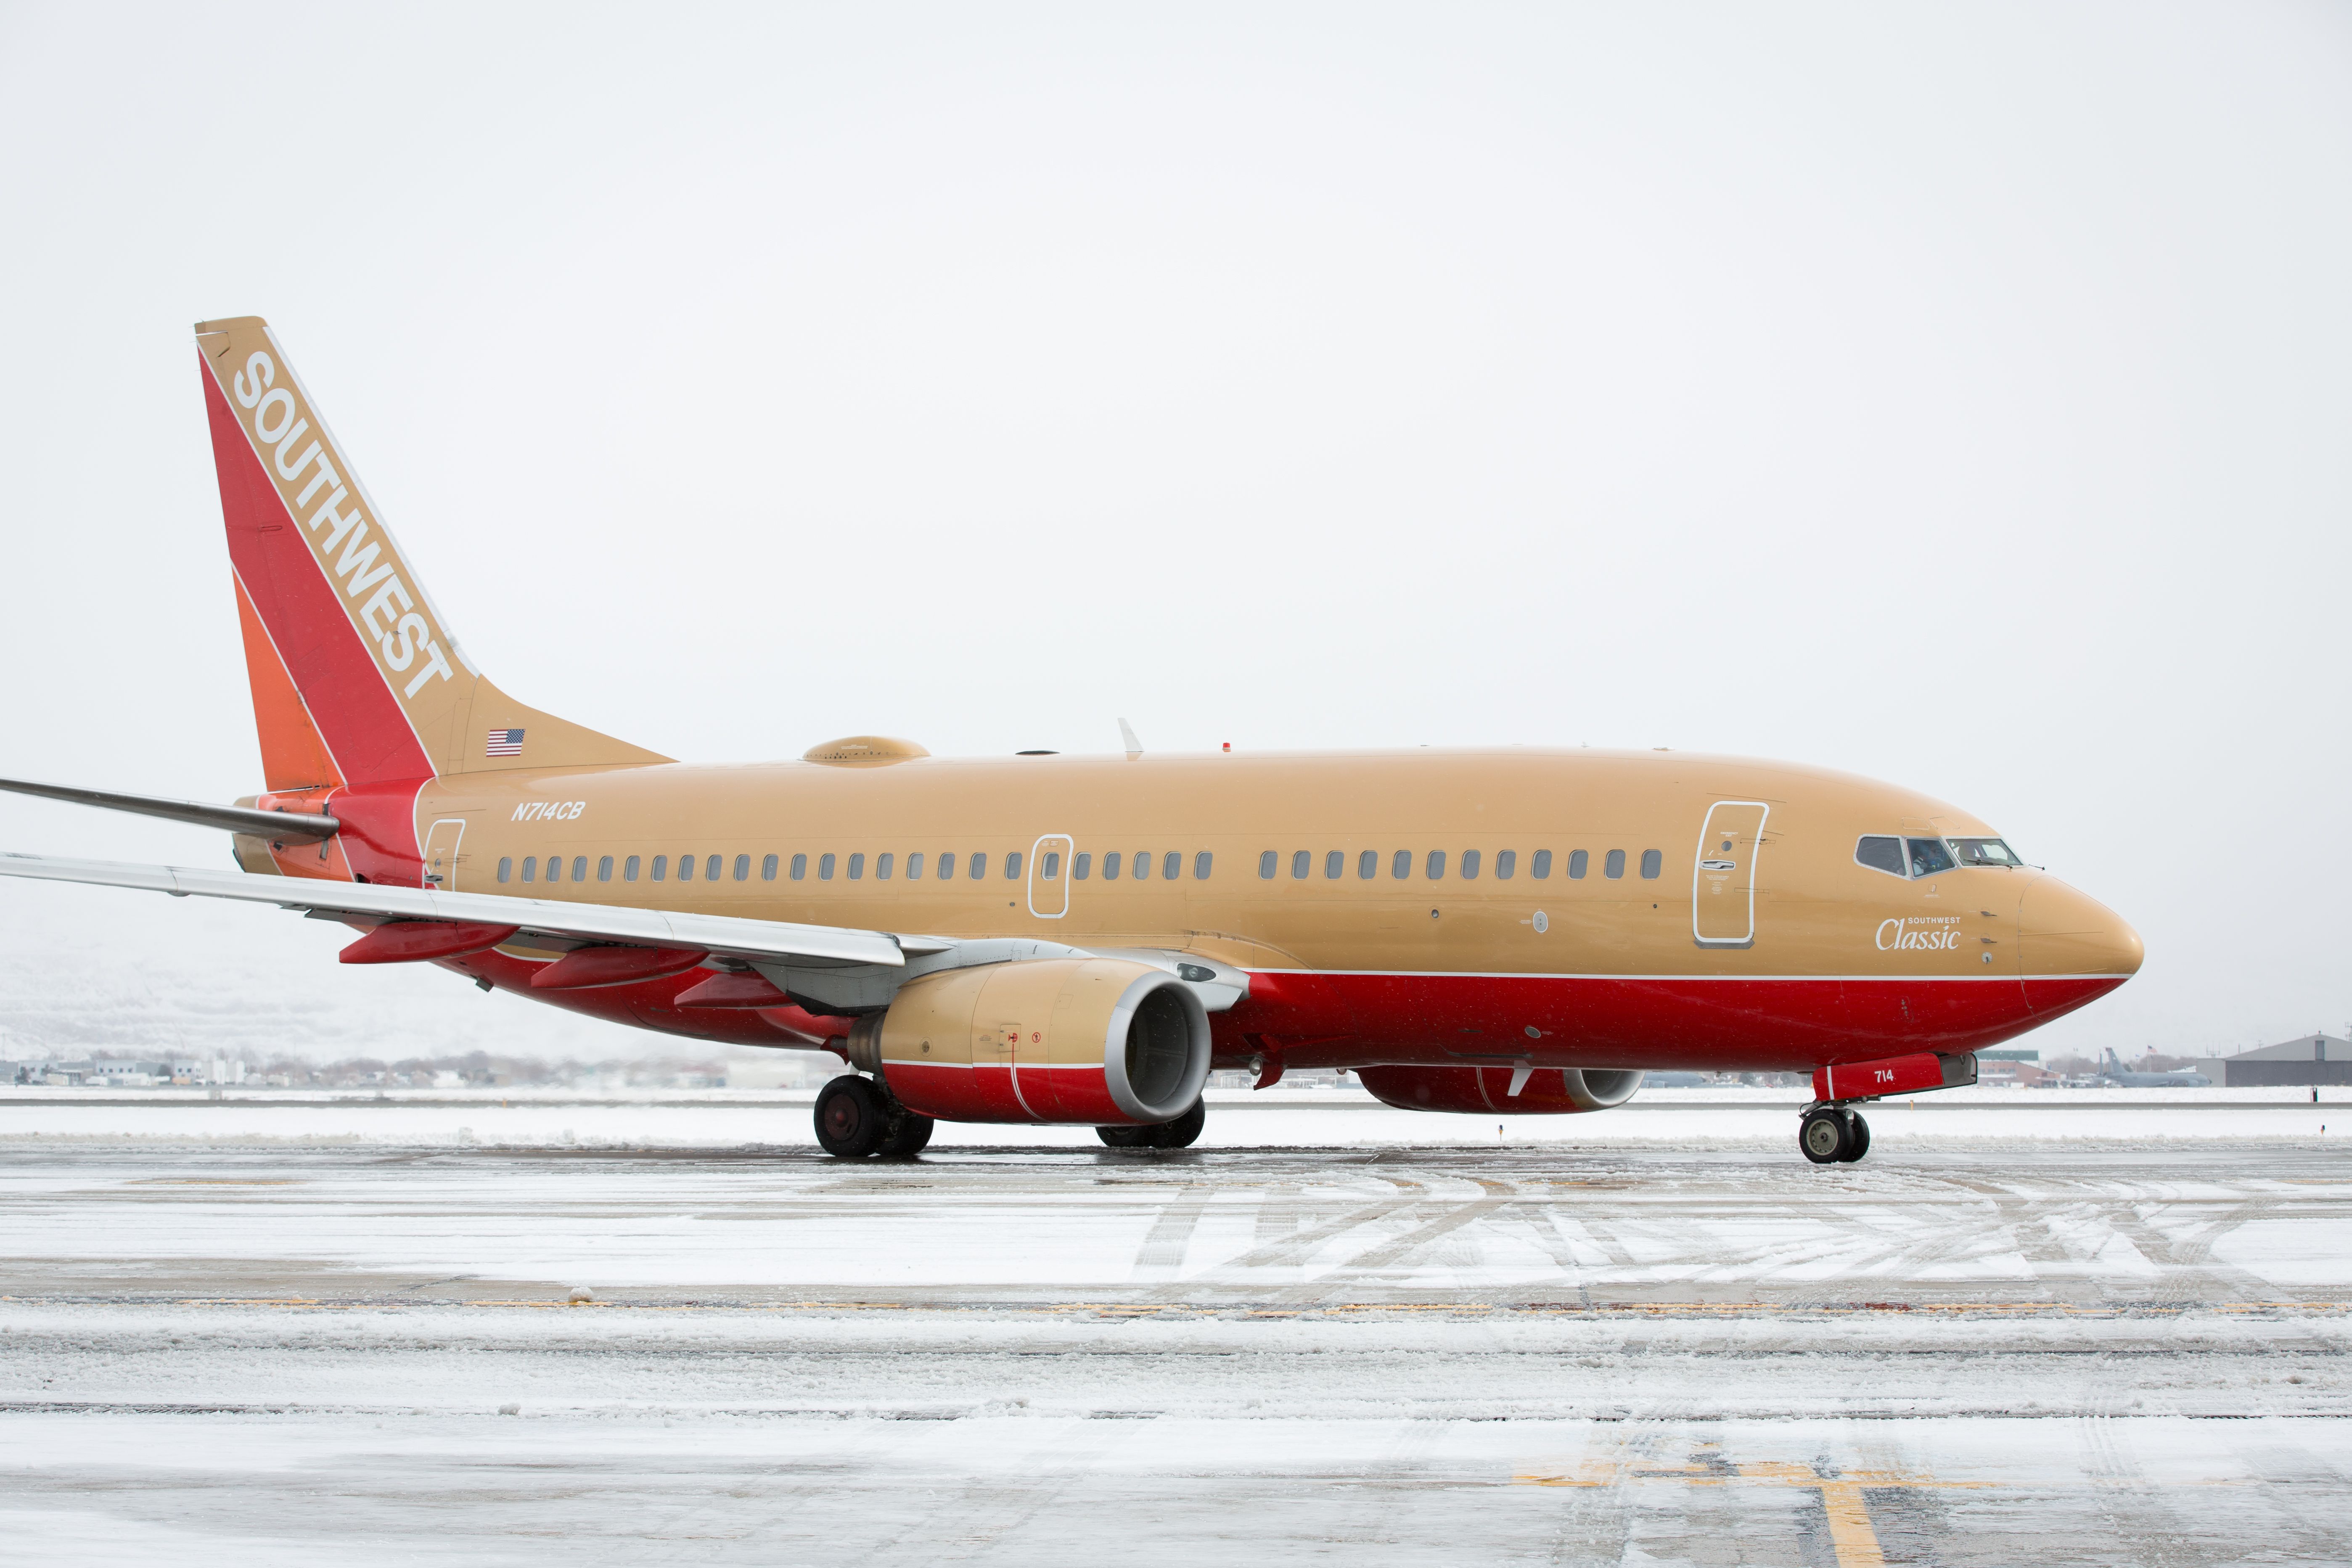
<point x="2112" y="1072"/>
<point x="1079" y="940"/>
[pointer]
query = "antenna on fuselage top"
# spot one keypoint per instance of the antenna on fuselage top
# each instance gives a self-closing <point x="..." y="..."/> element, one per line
<point x="1126" y="734"/>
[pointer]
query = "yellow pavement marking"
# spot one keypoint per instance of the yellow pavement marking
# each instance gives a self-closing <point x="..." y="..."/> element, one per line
<point x="1851" y="1535"/>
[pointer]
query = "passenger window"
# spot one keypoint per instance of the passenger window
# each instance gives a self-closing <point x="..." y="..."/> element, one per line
<point x="1051" y="867"/>
<point x="1368" y="865"/>
<point x="1083" y="867"/>
<point x="1335" y="865"/>
<point x="580" y="867"/>
<point x="1469" y="865"/>
<point x="1880" y="852"/>
<point x="857" y="868"/>
<point x="1266" y="861"/>
<point x="629" y="869"/>
<point x="710" y="869"/>
<point x="978" y="867"/>
<point x="530" y="867"/>
<point x="1401" y="865"/>
<point x="1540" y="866"/>
<point x="1651" y="861"/>
<point x="1201" y="866"/>
<point x="946" y="868"/>
<point x="824" y="868"/>
<point x="1141" y="866"/>
<point x="661" y="866"/>
<point x="1012" y="866"/>
<point x="1615" y="864"/>
<point x="1171" y="865"/>
<point x="915" y="867"/>
<point x="1436" y="867"/>
<point x="685" y="868"/>
<point x="768" y="868"/>
<point x="742" y="868"/>
<point x="1578" y="862"/>
<point x="1301" y="862"/>
<point x="555" y="868"/>
<point x="605" y="869"/>
<point x="1928" y="856"/>
<point x="1505" y="862"/>
<point x="883" y="864"/>
<point x="800" y="869"/>
<point x="1111" y="867"/>
<point x="505" y="866"/>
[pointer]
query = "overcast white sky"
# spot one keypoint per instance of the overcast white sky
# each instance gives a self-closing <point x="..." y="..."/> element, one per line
<point x="1959" y="396"/>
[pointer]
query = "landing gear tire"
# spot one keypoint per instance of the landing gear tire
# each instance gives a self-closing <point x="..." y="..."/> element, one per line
<point x="1825" y="1134"/>
<point x="908" y="1137"/>
<point x="1857" y="1137"/>
<point x="1177" y="1134"/>
<point x="853" y="1119"/>
<point x="1181" y="1132"/>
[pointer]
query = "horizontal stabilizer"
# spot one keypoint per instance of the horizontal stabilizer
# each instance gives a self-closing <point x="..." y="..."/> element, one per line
<point x="726" y="936"/>
<point x="231" y="818"/>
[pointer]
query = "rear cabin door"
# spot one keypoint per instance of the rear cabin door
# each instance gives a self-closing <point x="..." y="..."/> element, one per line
<point x="1049" y="877"/>
<point x="1723" y="881"/>
<point x="441" y="853"/>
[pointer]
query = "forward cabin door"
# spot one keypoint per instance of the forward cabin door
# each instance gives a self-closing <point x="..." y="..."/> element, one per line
<point x="441" y="853"/>
<point x="1049" y="877"/>
<point x="1722" y="882"/>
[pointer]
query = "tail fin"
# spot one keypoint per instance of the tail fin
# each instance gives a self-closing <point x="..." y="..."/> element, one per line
<point x="356" y="677"/>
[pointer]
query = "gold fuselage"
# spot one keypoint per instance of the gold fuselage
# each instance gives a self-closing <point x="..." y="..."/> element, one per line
<point x="1817" y="911"/>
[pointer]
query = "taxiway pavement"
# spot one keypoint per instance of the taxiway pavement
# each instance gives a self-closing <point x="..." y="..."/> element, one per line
<point x="2118" y="1347"/>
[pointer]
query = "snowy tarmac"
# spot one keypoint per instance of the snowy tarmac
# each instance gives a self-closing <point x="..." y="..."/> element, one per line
<point x="271" y="1332"/>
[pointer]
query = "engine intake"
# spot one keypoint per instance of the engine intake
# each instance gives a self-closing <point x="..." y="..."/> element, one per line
<point x="1547" y="1091"/>
<point x="1099" y="1041"/>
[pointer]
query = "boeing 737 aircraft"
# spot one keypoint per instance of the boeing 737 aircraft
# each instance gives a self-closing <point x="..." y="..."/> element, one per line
<point x="1041" y="938"/>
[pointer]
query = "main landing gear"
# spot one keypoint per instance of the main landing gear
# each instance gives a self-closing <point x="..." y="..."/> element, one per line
<point x="1176" y="1134"/>
<point x="857" y="1118"/>
<point x="1833" y="1135"/>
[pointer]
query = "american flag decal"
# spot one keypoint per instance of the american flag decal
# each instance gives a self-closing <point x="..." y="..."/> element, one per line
<point x="504" y="744"/>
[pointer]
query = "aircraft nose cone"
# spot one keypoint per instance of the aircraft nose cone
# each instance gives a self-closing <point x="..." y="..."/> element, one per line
<point x="2061" y="931"/>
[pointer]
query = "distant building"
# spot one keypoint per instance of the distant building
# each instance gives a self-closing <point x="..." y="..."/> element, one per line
<point x="118" y="1073"/>
<point x="2308" y="1060"/>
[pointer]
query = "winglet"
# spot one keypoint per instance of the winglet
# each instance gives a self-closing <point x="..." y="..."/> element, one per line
<point x="1126" y="734"/>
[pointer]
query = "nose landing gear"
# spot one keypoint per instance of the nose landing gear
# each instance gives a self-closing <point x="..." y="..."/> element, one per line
<point x="1833" y="1135"/>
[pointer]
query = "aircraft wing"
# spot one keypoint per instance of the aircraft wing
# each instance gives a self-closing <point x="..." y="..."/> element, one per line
<point x="578" y="923"/>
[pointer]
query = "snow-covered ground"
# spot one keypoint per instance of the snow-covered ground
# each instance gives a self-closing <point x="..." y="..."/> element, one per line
<point x="268" y="1333"/>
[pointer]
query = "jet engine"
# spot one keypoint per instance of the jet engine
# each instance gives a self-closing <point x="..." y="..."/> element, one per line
<point x="1542" y="1091"/>
<point x="1105" y="1042"/>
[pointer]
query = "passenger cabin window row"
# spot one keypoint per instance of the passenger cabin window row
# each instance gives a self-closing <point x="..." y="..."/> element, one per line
<point x="1916" y="857"/>
<point x="1896" y="856"/>
<point x="1334" y="865"/>
<point x="946" y="867"/>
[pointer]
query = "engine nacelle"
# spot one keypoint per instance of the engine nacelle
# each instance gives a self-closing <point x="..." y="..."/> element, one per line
<point x="1547" y="1091"/>
<point x="1102" y="1041"/>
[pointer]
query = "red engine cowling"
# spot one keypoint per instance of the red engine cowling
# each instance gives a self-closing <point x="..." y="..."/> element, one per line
<point x="1104" y="1041"/>
<point x="1545" y="1091"/>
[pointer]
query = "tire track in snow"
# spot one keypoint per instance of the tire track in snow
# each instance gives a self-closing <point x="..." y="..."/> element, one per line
<point x="1161" y="1256"/>
<point x="1297" y="1247"/>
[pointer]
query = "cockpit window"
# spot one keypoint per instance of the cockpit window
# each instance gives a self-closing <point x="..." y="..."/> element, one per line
<point x="1880" y="852"/>
<point x="1928" y="856"/>
<point x="1984" y="852"/>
